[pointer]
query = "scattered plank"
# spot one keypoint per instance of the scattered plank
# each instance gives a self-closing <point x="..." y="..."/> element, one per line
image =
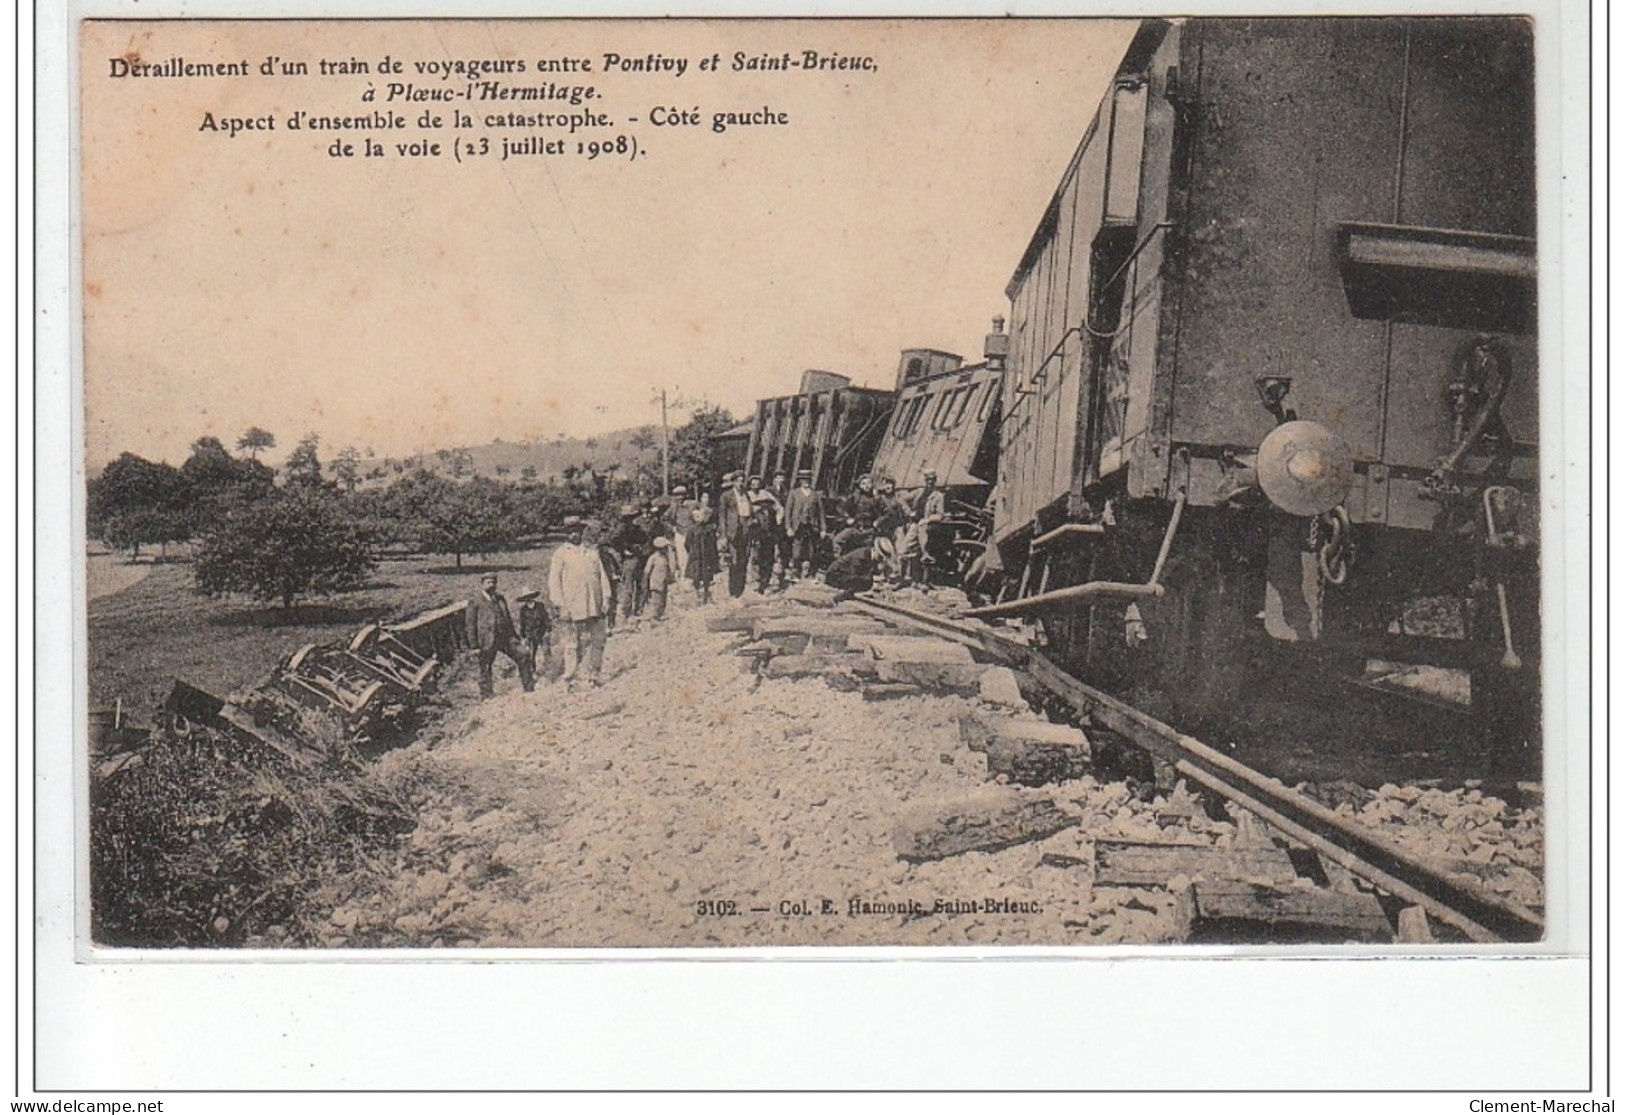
<point x="818" y="665"/>
<point x="1238" y="911"/>
<point x="957" y="677"/>
<point x="742" y="622"/>
<point x="1339" y="877"/>
<point x="891" y="691"/>
<point x="827" y="644"/>
<point x="1029" y="763"/>
<point x="812" y="594"/>
<point x="1028" y="752"/>
<point x="983" y="823"/>
<point x="815" y="625"/>
<point x="977" y="730"/>
<point x="788" y="642"/>
<point x="912" y="648"/>
<point x="1134" y="863"/>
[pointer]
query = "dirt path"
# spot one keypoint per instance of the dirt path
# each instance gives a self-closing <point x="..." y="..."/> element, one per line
<point x="106" y="574"/>
<point x="607" y="818"/>
<point x="690" y="802"/>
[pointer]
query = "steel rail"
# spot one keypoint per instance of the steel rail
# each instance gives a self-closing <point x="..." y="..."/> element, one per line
<point x="1480" y="915"/>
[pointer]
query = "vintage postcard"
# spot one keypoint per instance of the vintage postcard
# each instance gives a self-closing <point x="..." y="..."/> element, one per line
<point x="1021" y="488"/>
<point x="949" y="482"/>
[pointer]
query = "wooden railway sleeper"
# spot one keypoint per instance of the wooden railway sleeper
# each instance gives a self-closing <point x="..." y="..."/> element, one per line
<point x="1507" y="920"/>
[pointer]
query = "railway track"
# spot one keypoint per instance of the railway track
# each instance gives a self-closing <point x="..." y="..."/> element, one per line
<point x="1448" y="899"/>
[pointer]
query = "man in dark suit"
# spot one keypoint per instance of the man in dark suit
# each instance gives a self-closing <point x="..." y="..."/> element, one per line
<point x="490" y="631"/>
<point x="733" y="529"/>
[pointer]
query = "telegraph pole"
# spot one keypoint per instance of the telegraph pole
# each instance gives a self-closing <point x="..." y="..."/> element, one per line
<point x="665" y="448"/>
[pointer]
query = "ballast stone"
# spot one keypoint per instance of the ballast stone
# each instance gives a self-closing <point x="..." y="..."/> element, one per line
<point x="998" y="686"/>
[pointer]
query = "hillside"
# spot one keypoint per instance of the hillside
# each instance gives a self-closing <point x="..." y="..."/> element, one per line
<point x="619" y="450"/>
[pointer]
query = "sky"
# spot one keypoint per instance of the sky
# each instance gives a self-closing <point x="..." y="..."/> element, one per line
<point x="407" y="303"/>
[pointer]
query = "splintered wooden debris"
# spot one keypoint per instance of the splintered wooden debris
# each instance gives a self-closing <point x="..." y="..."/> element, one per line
<point x="985" y="823"/>
<point x="1132" y="863"/>
<point x="1235" y="910"/>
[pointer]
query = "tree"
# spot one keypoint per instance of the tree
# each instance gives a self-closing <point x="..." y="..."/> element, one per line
<point x="255" y="440"/>
<point x="694" y="459"/>
<point x="347" y="467"/>
<point x="135" y="500"/>
<point x="296" y="542"/>
<point x="448" y="517"/>
<point x="214" y="477"/>
<point x="304" y="467"/>
<point x="152" y="525"/>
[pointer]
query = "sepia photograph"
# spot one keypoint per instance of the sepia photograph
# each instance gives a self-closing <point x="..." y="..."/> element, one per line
<point x="582" y="484"/>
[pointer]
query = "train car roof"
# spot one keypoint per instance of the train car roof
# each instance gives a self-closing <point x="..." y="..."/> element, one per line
<point x="1140" y="49"/>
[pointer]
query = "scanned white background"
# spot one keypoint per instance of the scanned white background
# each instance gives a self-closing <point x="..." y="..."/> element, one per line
<point x="1117" y="1022"/>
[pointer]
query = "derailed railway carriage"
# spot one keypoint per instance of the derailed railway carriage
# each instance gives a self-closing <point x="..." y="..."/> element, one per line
<point x="1269" y="419"/>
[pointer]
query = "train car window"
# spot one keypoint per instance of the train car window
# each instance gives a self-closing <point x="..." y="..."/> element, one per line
<point x="987" y="400"/>
<point x="916" y="408"/>
<point x="894" y="427"/>
<point x="963" y="405"/>
<point x="1128" y="145"/>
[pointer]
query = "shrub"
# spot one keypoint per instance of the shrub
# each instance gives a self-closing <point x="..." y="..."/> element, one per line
<point x="200" y="843"/>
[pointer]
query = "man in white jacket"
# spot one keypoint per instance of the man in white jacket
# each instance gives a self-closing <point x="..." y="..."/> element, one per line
<point x="578" y="586"/>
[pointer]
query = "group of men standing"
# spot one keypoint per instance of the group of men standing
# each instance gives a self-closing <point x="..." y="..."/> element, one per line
<point x="785" y="534"/>
<point x="774" y="531"/>
<point x="596" y="581"/>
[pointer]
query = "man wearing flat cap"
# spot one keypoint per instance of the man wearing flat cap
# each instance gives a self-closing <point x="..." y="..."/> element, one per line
<point x="804" y="523"/>
<point x="929" y="510"/>
<point x="861" y="510"/>
<point x="491" y="631"/>
<point x="766" y="523"/>
<point x="630" y="544"/>
<point x="680" y="520"/>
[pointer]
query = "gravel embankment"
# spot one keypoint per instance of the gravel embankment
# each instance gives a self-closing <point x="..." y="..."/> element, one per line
<point x="616" y="817"/>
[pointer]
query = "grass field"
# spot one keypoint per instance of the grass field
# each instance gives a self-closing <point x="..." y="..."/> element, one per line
<point x="159" y="628"/>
